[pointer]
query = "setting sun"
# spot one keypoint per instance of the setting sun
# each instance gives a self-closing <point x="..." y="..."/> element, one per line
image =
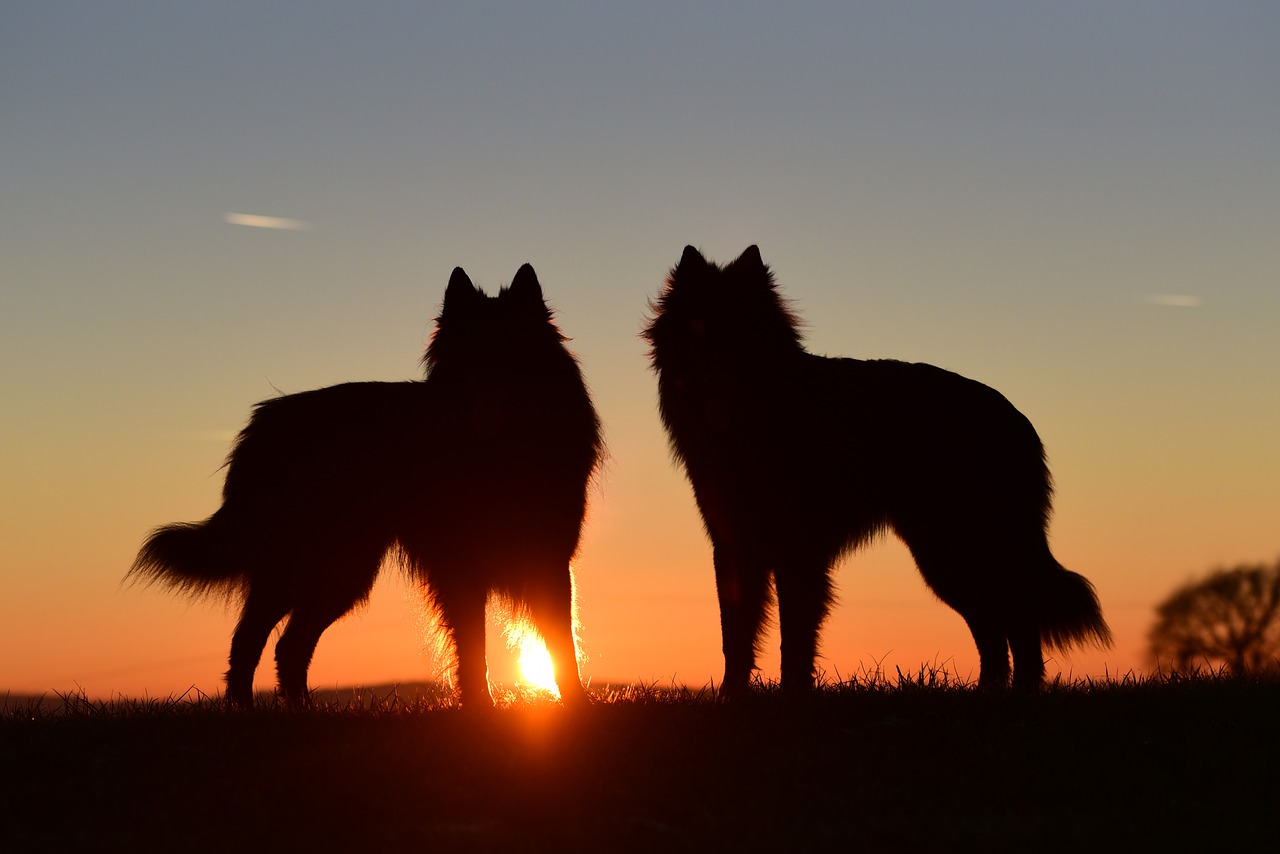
<point x="533" y="663"/>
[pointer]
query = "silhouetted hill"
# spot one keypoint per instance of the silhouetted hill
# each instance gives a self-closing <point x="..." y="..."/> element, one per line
<point x="1178" y="764"/>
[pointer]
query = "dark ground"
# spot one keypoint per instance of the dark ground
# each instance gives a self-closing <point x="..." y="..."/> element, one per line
<point x="1179" y="764"/>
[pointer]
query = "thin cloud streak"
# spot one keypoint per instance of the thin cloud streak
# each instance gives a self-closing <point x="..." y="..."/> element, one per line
<point x="1174" y="300"/>
<point x="259" y="221"/>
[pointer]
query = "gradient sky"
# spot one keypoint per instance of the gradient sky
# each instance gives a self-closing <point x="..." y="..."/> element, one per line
<point x="1077" y="204"/>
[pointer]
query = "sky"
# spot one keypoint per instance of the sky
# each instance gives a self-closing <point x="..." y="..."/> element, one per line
<point x="208" y="204"/>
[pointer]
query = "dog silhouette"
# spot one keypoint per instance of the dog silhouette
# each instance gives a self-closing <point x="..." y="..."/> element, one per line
<point x="475" y="477"/>
<point x="796" y="459"/>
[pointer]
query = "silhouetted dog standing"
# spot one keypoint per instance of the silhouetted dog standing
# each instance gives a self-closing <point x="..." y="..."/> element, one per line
<point x="479" y="474"/>
<point x="795" y="459"/>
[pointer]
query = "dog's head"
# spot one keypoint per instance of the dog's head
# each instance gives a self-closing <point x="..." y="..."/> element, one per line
<point x="479" y="330"/>
<point x="710" y="312"/>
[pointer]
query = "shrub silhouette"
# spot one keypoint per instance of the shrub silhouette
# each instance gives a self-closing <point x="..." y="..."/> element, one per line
<point x="796" y="459"/>
<point x="1230" y="618"/>
<point x="476" y="477"/>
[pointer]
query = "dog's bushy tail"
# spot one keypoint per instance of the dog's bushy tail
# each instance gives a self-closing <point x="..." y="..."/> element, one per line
<point x="1070" y="612"/>
<point x="189" y="557"/>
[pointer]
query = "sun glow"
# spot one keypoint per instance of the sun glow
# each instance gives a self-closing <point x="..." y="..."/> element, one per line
<point x="533" y="662"/>
<point x="535" y="665"/>
<point x="535" y="670"/>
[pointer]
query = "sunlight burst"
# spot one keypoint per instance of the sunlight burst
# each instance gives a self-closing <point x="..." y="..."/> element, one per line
<point x="535" y="670"/>
<point x="534" y="663"/>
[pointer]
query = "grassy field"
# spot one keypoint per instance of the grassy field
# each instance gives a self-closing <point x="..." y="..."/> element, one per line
<point x="904" y="765"/>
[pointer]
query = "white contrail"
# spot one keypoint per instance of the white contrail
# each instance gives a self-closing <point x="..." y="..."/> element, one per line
<point x="258" y="221"/>
<point x="1175" y="300"/>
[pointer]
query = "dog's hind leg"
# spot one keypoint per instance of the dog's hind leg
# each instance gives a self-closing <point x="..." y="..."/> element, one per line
<point x="993" y="649"/>
<point x="1028" y="657"/>
<point x="742" y="586"/>
<point x="804" y="597"/>
<point x="343" y="580"/>
<point x="1001" y="613"/>
<point x="264" y="607"/>
<point x="968" y="579"/>
<point x="295" y="649"/>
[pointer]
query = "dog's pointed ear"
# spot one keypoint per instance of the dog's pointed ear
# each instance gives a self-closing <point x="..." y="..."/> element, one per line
<point x="750" y="257"/>
<point x="460" y="291"/>
<point x="750" y="268"/>
<point x="690" y="270"/>
<point x="691" y="258"/>
<point x="524" y="288"/>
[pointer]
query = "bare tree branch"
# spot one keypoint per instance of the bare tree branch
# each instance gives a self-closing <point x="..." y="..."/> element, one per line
<point x="1230" y="618"/>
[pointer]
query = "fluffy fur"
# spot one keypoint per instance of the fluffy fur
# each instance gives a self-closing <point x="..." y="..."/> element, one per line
<point x="478" y="474"/>
<point x="795" y="459"/>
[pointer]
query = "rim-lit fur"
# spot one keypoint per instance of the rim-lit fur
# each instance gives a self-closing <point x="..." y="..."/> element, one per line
<point x="476" y="477"/>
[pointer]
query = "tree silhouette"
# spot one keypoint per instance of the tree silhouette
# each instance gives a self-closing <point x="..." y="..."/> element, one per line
<point x="1230" y="618"/>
